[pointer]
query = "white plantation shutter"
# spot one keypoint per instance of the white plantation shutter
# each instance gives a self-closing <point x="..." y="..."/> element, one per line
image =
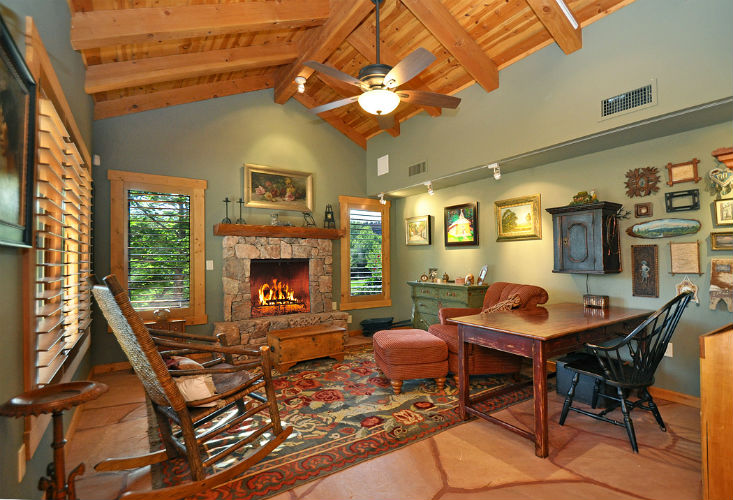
<point x="365" y="231"/>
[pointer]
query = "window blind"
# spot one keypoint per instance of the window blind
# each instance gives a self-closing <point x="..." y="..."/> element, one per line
<point x="158" y="249"/>
<point x="365" y="240"/>
<point x="63" y="245"/>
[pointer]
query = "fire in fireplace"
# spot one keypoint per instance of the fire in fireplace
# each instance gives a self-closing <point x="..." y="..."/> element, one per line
<point x="279" y="286"/>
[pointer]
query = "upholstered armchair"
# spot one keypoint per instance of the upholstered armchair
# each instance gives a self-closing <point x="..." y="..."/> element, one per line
<point x="482" y="360"/>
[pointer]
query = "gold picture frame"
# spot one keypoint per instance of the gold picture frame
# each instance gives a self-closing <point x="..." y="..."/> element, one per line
<point x="721" y="240"/>
<point x="417" y="230"/>
<point x="518" y="218"/>
<point x="277" y="189"/>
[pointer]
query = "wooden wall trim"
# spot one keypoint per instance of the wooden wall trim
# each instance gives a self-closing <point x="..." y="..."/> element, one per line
<point x="675" y="397"/>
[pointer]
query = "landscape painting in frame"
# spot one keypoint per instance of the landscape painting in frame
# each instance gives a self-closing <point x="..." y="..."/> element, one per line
<point x="461" y="225"/>
<point x="417" y="230"/>
<point x="277" y="189"/>
<point x="17" y="112"/>
<point x="518" y="218"/>
<point x="645" y="271"/>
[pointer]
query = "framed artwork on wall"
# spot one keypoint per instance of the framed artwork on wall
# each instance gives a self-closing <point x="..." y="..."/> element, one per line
<point x="684" y="257"/>
<point x="461" y="225"/>
<point x="417" y="230"/>
<point x="645" y="271"/>
<point x="518" y="218"/>
<point x="17" y="144"/>
<point x="722" y="240"/>
<point x="643" y="210"/>
<point x="682" y="172"/>
<point x="277" y="189"/>
<point x="724" y="212"/>
<point x="681" y="201"/>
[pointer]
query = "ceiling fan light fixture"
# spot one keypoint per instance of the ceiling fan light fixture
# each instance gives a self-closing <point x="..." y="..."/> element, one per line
<point x="379" y="101"/>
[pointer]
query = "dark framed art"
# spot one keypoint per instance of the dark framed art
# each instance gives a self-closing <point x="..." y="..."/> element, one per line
<point x="417" y="230"/>
<point x="643" y="210"/>
<point x="461" y="225"/>
<point x="681" y="201"/>
<point x="645" y="271"/>
<point x="17" y="144"/>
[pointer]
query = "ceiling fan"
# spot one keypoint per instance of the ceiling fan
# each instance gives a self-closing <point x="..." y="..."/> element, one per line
<point x="379" y="82"/>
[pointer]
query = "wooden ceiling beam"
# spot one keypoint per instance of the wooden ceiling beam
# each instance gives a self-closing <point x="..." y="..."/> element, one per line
<point x="118" y="75"/>
<point x="321" y="42"/>
<point x="332" y="119"/>
<point x="444" y="27"/>
<point x="552" y="17"/>
<point x="363" y="40"/>
<point x="182" y="95"/>
<point x="103" y="28"/>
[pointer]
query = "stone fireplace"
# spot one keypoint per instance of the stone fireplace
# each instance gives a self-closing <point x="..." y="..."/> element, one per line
<point x="249" y="262"/>
<point x="279" y="286"/>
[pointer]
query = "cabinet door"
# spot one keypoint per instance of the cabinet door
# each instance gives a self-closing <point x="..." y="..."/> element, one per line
<point x="578" y="252"/>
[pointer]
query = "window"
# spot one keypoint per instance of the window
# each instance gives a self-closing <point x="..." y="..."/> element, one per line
<point x="157" y="250"/>
<point x="365" y="280"/>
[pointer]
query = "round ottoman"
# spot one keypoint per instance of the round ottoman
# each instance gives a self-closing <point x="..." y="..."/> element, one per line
<point x="410" y="353"/>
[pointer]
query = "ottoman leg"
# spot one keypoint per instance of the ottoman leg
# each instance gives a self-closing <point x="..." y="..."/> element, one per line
<point x="440" y="382"/>
<point x="396" y="386"/>
<point x="455" y="379"/>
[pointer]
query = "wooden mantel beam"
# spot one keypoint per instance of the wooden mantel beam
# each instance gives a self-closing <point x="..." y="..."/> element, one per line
<point x="103" y="28"/>
<point x="552" y="17"/>
<point x="444" y="27"/>
<point x="118" y="75"/>
<point x="319" y="43"/>
<point x="182" y="95"/>
<point x="363" y="40"/>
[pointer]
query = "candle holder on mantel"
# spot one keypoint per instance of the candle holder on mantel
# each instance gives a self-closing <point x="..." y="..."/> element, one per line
<point x="226" y="219"/>
<point x="241" y="219"/>
<point x="328" y="219"/>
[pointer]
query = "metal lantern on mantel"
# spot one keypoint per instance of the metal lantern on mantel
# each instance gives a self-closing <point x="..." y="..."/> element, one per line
<point x="328" y="219"/>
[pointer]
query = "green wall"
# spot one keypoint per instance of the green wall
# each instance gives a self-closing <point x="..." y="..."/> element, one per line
<point x="212" y="140"/>
<point x="52" y="20"/>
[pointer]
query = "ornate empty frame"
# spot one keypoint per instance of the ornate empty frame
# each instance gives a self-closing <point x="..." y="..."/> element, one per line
<point x="681" y="201"/>
<point x="683" y="172"/>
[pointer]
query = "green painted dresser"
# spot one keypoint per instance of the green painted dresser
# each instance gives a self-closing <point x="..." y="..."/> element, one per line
<point x="428" y="298"/>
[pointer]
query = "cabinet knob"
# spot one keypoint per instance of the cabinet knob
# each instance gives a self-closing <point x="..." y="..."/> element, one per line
<point x="565" y="241"/>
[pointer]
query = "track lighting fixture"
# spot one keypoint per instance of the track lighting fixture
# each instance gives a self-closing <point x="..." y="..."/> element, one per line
<point x="497" y="170"/>
<point x="300" y="80"/>
<point x="381" y="199"/>
<point x="429" y="185"/>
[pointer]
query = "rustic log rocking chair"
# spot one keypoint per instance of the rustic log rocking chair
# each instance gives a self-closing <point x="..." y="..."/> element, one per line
<point x="188" y="427"/>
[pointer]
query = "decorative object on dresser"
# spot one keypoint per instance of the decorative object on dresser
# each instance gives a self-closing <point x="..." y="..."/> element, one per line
<point x="642" y="181"/>
<point x="482" y="275"/>
<point x="722" y="240"/>
<point x="716" y="379"/>
<point x="417" y="230"/>
<point x="721" y="282"/>
<point x="681" y="201"/>
<point x="518" y="218"/>
<point x="586" y="238"/>
<point x="428" y="298"/>
<point x="461" y="225"/>
<point x="684" y="257"/>
<point x="644" y="271"/>
<point x="724" y="212"/>
<point x="468" y="280"/>
<point x="17" y="155"/>
<point x="643" y="210"/>
<point x="664" y="228"/>
<point x="688" y="286"/>
<point x="292" y="345"/>
<point x="279" y="189"/>
<point x="683" y="172"/>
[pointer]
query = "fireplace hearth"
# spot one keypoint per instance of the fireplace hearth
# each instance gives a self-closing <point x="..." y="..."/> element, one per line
<point x="279" y="286"/>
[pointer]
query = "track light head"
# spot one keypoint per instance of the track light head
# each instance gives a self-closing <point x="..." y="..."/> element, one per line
<point x="381" y="199"/>
<point x="429" y="185"/>
<point x="497" y="170"/>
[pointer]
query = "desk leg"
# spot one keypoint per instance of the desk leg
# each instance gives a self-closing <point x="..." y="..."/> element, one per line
<point x="463" y="395"/>
<point x="539" y="373"/>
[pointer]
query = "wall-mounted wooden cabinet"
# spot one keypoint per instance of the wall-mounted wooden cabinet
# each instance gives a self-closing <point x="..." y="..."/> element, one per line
<point x="586" y="238"/>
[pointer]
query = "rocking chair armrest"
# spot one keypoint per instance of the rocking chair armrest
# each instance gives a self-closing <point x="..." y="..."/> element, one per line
<point x="180" y="335"/>
<point x="205" y="371"/>
<point x="220" y="349"/>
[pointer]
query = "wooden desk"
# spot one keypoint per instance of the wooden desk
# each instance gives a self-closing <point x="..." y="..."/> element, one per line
<point x="537" y="333"/>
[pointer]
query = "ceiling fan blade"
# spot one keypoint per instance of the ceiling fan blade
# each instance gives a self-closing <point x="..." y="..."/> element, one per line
<point x="333" y="105"/>
<point x="423" y="98"/>
<point x="333" y="72"/>
<point x="385" y="121"/>
<point x="408" y="68"/>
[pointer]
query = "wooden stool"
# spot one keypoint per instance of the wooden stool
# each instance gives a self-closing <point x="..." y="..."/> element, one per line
<point x="410" y="353"/>
<point x="55" y="399"/>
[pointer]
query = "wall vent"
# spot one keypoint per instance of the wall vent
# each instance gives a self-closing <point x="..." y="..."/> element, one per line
<point x="631" y="100"/>
<point x="417" y="168"/>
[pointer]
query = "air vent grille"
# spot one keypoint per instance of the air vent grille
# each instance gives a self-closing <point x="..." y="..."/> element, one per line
<point x="631" y="100"/>
<point x="417" y="168"/>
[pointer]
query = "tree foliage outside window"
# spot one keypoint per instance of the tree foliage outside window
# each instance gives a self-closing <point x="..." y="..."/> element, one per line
<point x="366" y="252"/>
<point x="159" y="243"/>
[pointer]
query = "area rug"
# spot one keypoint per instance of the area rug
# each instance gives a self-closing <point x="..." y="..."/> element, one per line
<point x="344" y="413"/>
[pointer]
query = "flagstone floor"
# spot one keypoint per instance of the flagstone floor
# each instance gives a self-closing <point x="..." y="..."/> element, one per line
<point x="477" y="460"/>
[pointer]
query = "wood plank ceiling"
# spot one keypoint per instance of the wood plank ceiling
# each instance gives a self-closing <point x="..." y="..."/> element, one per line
<point x="147" y="54"/>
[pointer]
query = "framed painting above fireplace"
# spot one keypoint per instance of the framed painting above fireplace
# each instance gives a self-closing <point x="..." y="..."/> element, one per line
<point x="277" y="189"/>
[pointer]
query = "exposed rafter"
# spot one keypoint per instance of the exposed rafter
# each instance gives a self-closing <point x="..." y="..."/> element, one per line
<point x="183" y="95"/>
<point x="110" y="76"/>
<point x="320" y="42"/>
<point x="552" y="17"/>
<point x="112" y="27"/>
<point x="443" y="26"/>
<point x="333" y="120"/>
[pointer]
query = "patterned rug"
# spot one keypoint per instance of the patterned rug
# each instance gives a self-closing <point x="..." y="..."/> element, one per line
<point x="344" y="413"/>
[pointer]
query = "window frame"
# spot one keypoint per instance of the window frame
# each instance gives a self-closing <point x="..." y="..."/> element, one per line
<point x="348" y="302"/>
<point x="120" y="183"/>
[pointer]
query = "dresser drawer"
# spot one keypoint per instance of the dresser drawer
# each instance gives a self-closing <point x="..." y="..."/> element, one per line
<point x="426" y="305"/>
<point x="453" y="295"/>
<point x="425" y="291"/>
